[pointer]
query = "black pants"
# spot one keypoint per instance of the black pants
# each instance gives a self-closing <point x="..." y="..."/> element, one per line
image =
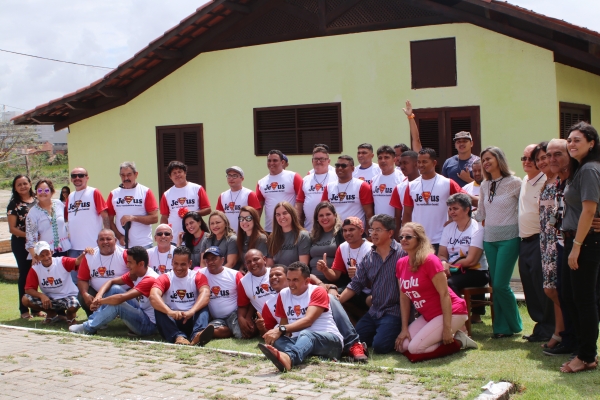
<point x="471" y="278"/>
<point x="579" y="291"/>
<point x="17" y="245"/>
<point x="568" y="335"/>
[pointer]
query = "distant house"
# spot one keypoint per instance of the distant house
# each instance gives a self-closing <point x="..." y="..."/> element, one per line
<point x="237" y="78"/>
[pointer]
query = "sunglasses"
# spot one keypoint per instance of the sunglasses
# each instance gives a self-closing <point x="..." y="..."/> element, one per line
<point x="407" y="237"/>
<point x="341" y="165"/>
<point x="80" y="176"/>
<point x="247" y="219"/>
<point x="527" y="159"/>
<point x="43" y="190"/>
<point x="320" y="159"/>
<point x="163" y="233"/>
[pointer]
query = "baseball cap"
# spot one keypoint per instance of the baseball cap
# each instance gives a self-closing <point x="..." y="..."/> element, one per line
<point x="285" y="158"/>
<point x="213" y="250"/>
<point x="353" y="221"/>
<point x="463" y="135"/>
<point x="236" y="169"/>
<point x="41" y="246"/>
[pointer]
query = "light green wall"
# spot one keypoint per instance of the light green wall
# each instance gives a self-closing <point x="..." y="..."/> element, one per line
<point x="513" y="82"/>
<point x="576" y="86"/>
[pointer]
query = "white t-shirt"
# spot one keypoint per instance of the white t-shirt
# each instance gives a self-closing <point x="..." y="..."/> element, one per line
<point x="382" y="187"/>
<point x="345" y="257"/>
<point x="192" y="196"/>
<point x="472" y="188"/>
<point x="180" y="294"/>
<point x="366" y="174"/>
<point x="458" y="242"/>
<point x="255" y="290"/>
<point x="268" y="312"/>
<point x="294" y="309"/>
<point x="99" y="269"/>
<point x="231" y="202"/>
<point x="143" y="284"/>
<point x="83" y="213"/>
<point x="54" y="281"/>
<point x="275" y="188"/>
<point x="428" y="199"/>
<point x="397" y="198"/>
<point x="138" y="200"/>
<point x="348" y="198"/>
<point x="223" y="291"/>
<point x="161" y="263"/>
<point x="313" y="186"/>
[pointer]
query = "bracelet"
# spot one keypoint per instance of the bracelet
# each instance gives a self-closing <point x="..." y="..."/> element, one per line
<point x="411" y="116"/>
<point x="577" y="243"/>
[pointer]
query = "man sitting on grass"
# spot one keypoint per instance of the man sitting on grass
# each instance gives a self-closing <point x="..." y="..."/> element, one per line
<point x="52" y="275"/>
<point x="306" y="317"/>
<point x="132" y="306"/>
<point x="180" y="300"/>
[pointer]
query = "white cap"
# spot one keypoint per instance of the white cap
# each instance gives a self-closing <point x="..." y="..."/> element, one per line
<point x="236" y="169"/>
<point x="41" y="246"/>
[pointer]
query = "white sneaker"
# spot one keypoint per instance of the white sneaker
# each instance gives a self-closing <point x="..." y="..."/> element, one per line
<point x="466" y="341"/>
<point x="77" y="329"/>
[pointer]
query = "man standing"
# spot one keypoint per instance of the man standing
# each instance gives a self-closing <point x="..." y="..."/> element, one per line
<point x="425" y="197"/>
<point x="278" y="185"/>
<point x="181" y="198"/>
<point x="107" y="261"/>
<point x="86" y="212"/>
<point x="539" y="306"/>
<point x="350" y="196"/>
<point x="414" y="136"/>
<point x="381" y="325"/>
<point x="160" y="257"/>
<point x="366" y="170"/>
<point x="180" y="300"/>
<point x="231" y="201"/>
<point x="305" y="314"/>
<point x="113" y="301"/>
<point x="384" y="183"/>
<point x="132" y="203"/>
<point x="408" y="166"/>
<point x="313" y="186"/>
<point x="459" y="167"/>
<point x="473" y="187"/>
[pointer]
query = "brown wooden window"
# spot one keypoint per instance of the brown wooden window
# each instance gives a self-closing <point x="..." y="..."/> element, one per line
<point x="570" y="114"/>
<point x="433" y="63"/>
<point x="183" y="143"/>
<point x="296" y="129"/>
<point x="437" y="127"/>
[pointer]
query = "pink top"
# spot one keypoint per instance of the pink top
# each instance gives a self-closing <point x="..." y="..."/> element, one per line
<point x="419" y="288"/>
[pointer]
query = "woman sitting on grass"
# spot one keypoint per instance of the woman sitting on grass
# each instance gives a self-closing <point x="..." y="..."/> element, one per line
<point x="421" y="277"/>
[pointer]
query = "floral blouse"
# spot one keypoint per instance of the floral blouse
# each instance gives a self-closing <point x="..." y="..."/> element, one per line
<point x="20" y="209"/>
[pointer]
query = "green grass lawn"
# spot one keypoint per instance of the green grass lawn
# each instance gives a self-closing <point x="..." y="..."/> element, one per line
<point x="512" y="359"/>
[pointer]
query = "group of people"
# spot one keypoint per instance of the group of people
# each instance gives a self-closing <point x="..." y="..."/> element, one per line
<point x="347" y="258"/>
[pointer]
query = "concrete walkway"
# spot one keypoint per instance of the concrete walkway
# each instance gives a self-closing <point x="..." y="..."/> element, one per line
<point x="50" y="366"/>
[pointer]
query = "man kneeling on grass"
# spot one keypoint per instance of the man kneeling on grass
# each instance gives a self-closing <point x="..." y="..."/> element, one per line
<point x="180" y="301"/>
<point x="132" y="306"/>
<point x="53" y="276"/>
<point x="306" y="327"/>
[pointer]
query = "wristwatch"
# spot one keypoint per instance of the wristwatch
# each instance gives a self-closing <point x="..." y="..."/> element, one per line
<point x="282" y="329"/>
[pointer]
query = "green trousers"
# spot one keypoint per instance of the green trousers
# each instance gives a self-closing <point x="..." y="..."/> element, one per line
<point x="501" y="257"/>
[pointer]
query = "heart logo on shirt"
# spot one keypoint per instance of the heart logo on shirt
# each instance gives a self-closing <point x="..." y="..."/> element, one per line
<point x="102" y="271"/>
<point x="342" y="195"/>
<point x="78" y="203"/>
<point x="264" y="287"/>
<point x="181" y="293"/>
<point x="162" y="268"/>
<point x="231" y="205"/>
<point x="318" y="186"/>
<point x="426" y="196"/>
<point x="382" y="187"/>
<point x="297" y="310"/>
<point x="182" y="200"/>
<point x="352" y="262"/>
<point x="50" y="280"/>
<point x="215" y="290"/>
<point x="128" y="199"/>
<point x="274" y="185"/>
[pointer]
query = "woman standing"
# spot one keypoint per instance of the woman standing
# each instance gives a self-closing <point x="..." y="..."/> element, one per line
<point x="250" y="234"/>
<point x="46" y="221"/>
<point x="498" y="209"/>
<point x="422" y="282"/>
<point x="325" y="237"/>
<point x="64" y="194"/>
<point x="582" y="245"/>
<point x="222" y="236"/>
<point x="289" y="242"/>
<point x="549" y="238"/>
<point x="20" y="203"/>
<point x="192" y="235"/>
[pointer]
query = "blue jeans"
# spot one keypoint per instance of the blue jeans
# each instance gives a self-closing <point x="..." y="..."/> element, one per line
<point x="379" y="333"/>
<point x="343" y="323"/>
<point x="74" y="254"/>
<point x="170" y="329"/>
<point x="130" y="312"/>
<point x="310" y="343"/>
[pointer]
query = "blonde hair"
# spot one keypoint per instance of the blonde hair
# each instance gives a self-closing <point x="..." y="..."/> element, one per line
<point x="424" y="247"/>
<point x="228" y="231"/>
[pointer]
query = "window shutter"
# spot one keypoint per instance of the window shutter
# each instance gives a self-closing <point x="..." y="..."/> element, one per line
<point x="570" y="114"/>
<point x="433" y="63"/>
<point x="431" y="132"/>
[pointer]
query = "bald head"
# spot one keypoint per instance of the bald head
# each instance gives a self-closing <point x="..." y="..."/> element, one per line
<point x="558" y="144"/>
<point x="558" y="157"/>
<point x="529" y="165"/>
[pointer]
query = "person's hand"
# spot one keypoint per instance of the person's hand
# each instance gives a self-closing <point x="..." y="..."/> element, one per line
<point x="96" y="303"/>
<point x="122" y="240"/>
<point x="46" y="303"/>
<point x="447" y="336"/>
<point x="271" y="336"/>
<point x="465" y="175"/>
<point x="176" y="315"/>
<point x="35" y="259"/>
<point x="179" y="238"/>
<point x="187" y="315"/>
<point x="596" y="224"/>
<point x="573" y="256"/>
<point x="247" y="327"/>
<point x="408" y="110"/>
<point x="88" y="299"/>
<point x="125" y="219"/>
<point x="404" y="334"/>
<point x="260" y="322"/>
<point x="446" y="268"/>
<point x="88" y="250"/>
<point x="322" y="264"/>
<point x="352" y="270"/>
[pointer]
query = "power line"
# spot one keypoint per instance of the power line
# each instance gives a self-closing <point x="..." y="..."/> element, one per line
<point x="52" y="59"/>
<point x="18" y="108"/>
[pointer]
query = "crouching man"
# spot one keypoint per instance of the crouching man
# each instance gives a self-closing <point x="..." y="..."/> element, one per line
<point x="306" y="327"/>
<point x="132" y="306"/>
<point x="53" y="276"/>
<point x="180" y="300"/>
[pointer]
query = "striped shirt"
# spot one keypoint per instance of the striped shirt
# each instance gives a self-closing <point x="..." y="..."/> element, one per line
<point x="380" y="276"/>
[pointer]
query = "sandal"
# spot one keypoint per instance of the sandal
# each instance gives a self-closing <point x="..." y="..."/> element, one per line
<point x="586" y="367"/>
<point x="26" y="315"/>
<point x="71" y="322"/>
<point x="556" y="338"/>
<point x="273" y="357"/>
<point x="39" y="314"/>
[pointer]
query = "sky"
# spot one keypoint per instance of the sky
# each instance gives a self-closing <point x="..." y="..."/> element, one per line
<point x="108" y="32"/>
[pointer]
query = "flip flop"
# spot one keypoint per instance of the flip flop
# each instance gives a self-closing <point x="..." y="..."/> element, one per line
<point x="274" y="358"/>
<point x="586" y="367"/>
<point x="556" y="338"/>
<point x="26" y="316"/>
<point x="39" y="314"/>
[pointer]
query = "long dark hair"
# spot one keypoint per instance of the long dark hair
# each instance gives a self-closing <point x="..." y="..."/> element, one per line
<point x="276" y="239"/>
<point x="62" y="197"/>
<point x="257" y="230"/>
<point x="188" y="238"/>
<point x="590" y="134"/>
<point x="317" y="229"/>
<point x="15" y="195"/>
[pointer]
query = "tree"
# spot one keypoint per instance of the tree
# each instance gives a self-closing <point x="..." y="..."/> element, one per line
<point x="14" y="137"/>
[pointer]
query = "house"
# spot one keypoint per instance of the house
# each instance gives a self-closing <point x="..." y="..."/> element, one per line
<point x="239" y="77"/>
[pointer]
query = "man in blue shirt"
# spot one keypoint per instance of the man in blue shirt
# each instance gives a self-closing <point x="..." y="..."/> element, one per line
<point x="459" y="168"/>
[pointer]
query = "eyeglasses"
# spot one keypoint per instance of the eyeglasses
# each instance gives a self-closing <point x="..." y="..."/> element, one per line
<point x="377" y="230"/>
<point x="73" y="176"/>
<point x="527" y="159"/>
<point x="407" y="237"/>
<point x="232" y="176"/>
<point x="43" y="190"/>
<point x="247" y="218"/>
<point x="320" y="159"/>
<point x="341" y="165"/>
<point x="163" y="233"/>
